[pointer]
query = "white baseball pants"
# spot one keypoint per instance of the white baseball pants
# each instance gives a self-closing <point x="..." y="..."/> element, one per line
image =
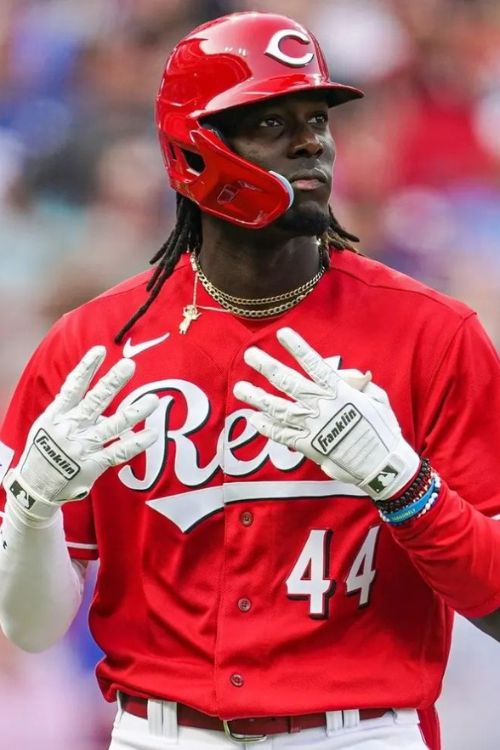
<point x="396" y="730"/>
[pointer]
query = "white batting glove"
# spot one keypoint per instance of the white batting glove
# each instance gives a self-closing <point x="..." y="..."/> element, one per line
<point x="71" y="444"/>
<point x="352" y="434"/>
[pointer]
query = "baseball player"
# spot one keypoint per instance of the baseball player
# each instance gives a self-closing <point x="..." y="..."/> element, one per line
<point x="282" y="453"/>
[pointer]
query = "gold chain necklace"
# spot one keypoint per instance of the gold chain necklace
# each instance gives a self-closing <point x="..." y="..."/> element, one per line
<point x="287" y="299"/>
<point x="213" y="290"/>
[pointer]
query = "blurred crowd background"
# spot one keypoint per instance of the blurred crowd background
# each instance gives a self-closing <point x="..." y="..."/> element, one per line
<point x="84" y="202"/>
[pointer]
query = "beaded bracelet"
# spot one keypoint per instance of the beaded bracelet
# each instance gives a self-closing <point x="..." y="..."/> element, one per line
<point x="433" y="498"/>
<point x="418" y="508"/>
<point x="416" y="489"/>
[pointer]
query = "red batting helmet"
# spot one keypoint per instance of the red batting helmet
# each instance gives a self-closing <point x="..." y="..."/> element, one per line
<point x="233" y="61"/>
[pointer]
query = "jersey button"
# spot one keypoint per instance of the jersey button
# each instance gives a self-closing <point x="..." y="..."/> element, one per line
<point x="237" y="680"/>
<point x="244" y="604"/>
<point x="246" y="518"/>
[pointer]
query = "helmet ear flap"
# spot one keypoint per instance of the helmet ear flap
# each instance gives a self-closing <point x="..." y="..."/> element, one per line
<point x="221" y="182"/>
<point x="233" y="188"/>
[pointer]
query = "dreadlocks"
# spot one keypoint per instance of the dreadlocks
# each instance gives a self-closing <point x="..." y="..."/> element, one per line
<point x="187" y="235"/>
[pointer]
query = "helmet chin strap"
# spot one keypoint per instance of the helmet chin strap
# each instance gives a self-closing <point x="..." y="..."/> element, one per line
<point x="287" y="185"/>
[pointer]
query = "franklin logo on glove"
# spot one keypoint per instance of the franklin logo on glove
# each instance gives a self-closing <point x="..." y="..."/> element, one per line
<point x="55" y="455"/>
<point x="337" y="429"/>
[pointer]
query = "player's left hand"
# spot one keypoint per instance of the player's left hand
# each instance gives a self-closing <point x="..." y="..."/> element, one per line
<point x="352" y="434"/>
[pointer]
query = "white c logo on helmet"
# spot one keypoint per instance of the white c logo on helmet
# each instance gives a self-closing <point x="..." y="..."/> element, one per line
<point x="273" y="48"/>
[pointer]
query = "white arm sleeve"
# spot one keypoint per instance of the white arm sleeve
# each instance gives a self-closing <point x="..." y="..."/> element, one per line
<point x="40" y="588"/>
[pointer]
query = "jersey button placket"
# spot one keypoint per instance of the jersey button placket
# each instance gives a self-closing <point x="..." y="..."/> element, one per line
<point x="240" y="613"/>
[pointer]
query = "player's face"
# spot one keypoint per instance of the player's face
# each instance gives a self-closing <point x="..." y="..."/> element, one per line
<point x="290" y="135"/>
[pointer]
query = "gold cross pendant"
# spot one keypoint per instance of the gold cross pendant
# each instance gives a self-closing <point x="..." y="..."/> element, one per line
<point x="189" y="313"/>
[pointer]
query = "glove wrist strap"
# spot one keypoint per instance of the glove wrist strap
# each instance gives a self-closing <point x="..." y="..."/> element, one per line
<point x="28" y="505"/>
<point x="398" y="470"/>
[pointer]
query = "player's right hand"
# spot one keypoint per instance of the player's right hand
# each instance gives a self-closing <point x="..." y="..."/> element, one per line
<point x="71" y="444"/>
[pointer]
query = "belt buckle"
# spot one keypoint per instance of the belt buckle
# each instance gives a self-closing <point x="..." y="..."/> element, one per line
<point x="242" y="738"/>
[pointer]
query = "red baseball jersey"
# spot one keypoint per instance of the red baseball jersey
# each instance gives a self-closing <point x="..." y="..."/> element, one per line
<point x="234" y="575"/>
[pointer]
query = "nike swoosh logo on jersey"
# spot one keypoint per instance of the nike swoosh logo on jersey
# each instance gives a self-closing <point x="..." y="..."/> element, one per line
<point x="130" y="350"/>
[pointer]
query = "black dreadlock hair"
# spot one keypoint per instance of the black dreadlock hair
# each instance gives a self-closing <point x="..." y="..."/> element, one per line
<point x="187" y="236"/>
